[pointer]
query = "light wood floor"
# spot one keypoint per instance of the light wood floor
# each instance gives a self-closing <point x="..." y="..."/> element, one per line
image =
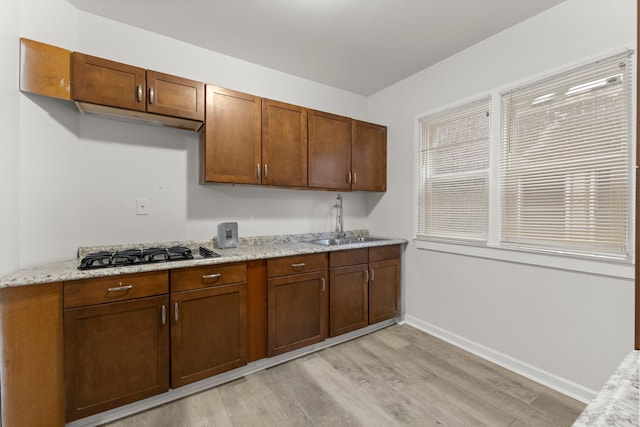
<point x="398" y="376"/>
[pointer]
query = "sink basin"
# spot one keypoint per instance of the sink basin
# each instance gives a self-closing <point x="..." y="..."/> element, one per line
<point x="345" y="240"/>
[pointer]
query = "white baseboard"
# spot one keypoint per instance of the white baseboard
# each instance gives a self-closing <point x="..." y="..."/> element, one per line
<point x="562" y="385"/>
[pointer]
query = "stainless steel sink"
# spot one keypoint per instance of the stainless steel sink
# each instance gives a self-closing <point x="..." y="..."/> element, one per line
<point x="345" y="240"/>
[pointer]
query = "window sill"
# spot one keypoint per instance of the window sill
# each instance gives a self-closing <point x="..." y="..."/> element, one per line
<point x="622" y="270"/>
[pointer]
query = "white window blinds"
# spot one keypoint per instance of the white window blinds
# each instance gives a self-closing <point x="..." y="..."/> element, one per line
<point x="454" y="172"/>
<point x="565" y="162"/>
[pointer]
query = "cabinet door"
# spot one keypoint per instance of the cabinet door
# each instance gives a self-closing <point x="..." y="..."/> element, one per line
<point x="284" y="144"/>
<point x="231" y="148"/>
<point x="348" y="299"/>
<point x="369" y="156"/>
<point x="209" y="332"/>
<point x="296" y="311"/>
<point x="329" y="151"/>
<point x="104" y="82"/>
<point x="384" y="290"/>
<point x="175" y="96"/>
<point x="115" y="354"/>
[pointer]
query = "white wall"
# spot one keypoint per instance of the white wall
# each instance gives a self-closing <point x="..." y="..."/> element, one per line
<point x="569" y="329"/>
<point x="9" y="143"/>
<point x="68" y="180"/>
<point x="80" y="175"/>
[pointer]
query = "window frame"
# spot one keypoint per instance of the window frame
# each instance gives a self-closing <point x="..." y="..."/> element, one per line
<point x="492" y="249"/>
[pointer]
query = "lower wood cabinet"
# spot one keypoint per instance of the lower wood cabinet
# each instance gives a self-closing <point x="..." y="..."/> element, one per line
<point x="116" y="341"/>
<point x="115" y="354"/>
<point x="348" y="291"/>
<point x="31" y="350"/>
<point x="128" y="337"/>
<point x="208" y="321"/>
<point x="384" y="283"/>
<point x="297" y="302"/>
<point x="364" y="287"/>
<point x="208" y="333"/>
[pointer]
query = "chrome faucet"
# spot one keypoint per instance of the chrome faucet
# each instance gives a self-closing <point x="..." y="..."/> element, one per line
<point x="339" y="220"/>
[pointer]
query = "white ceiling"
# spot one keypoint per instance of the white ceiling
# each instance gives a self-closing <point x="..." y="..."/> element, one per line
<point x="361" y="46"/>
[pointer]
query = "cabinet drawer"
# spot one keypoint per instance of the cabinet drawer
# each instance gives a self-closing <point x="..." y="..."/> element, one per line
<point x="211" y="275"/>
<point x="381" y="253"/>
<point x="348" y="257"/>
<point x="101" y="290"/>
<point x="296" y="264"/>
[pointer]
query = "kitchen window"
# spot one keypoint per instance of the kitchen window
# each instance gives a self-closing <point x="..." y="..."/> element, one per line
<point x="454" y="173"/>
<point x="553" y="187"/>
<point x="565" y="162"/>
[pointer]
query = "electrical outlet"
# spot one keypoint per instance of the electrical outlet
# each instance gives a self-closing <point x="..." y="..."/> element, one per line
<point x="142" y="206"/>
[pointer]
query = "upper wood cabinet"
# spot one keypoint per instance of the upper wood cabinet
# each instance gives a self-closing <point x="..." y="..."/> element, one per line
<point x="247" y="139"/>
<point x="175" y="96"/>
<point x="45" y="69"/>
<point x="231" y="144"/>
<point x="346" y="154"/>
<point x="369" y="156"/>
<point x="101" y="82"/>
<point x="105" y="82"/>
<point x="284" y="144"/>
<point x="329" y="151"/>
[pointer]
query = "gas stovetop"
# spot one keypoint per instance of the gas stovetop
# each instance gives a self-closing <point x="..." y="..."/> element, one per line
<point x="127" y="257"/>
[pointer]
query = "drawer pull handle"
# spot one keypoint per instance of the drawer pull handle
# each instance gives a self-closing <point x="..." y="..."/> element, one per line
<point x="300" y="265"/>
<point x="152" y="95"/>
<point x="175" y="310"/>
<point x="324" y="285"/>
<point x="139" y="93"/>
<point x="164" y="314"/>
<point x="211" y="276"/>
<point x="120" y="288"/>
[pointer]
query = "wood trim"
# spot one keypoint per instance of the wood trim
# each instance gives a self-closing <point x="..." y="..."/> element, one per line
<point x="45" y="69"/>
<point x="32" y="360"/>
<point x="256" y="310"/>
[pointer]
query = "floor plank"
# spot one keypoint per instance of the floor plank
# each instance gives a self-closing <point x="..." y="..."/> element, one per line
<point x="398" y="376"/>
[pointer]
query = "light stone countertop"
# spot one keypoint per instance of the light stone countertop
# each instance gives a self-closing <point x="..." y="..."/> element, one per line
<point x="249" y="248"/>
<point x="618" y="402"/>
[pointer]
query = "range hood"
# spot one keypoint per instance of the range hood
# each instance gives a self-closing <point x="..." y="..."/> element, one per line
<point x="138" y="116"/>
